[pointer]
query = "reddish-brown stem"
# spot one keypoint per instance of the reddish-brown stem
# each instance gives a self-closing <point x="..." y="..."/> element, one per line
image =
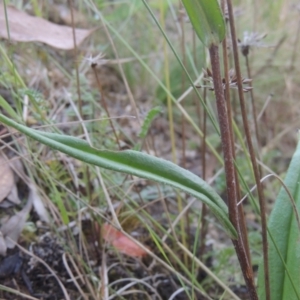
<point x="229" y="112"/>
<point x="252" y="155"/>
<point x="230" y="170"/>
<point x="225" y="134"/>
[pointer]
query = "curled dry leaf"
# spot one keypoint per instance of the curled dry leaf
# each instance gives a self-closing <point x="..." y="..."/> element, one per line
<point x="38" y="203"/>
<point x="7" y="181"/>
<point x="26" y="28"/>
<point x="12" y="228"/>
<point x="121" y="242"/>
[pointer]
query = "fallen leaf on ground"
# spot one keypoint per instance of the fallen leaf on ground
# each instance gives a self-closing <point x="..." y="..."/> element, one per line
<point x="26" y="28"/>
<point x="18" y="170"/>
<point x="38" y="203"/>
<point x="12" y="228"/>
<point x="3" y="247"/>
<point x="13" y="196"/>
<point x="7" y="180"/>
<point x="121" y="242"/>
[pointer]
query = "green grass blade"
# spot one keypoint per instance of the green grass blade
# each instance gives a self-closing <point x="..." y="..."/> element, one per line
<point x="4" y="104"/>
<point x="207" y="20"/>
<point x="135" y="163"/>
<point x="285" y="236"/>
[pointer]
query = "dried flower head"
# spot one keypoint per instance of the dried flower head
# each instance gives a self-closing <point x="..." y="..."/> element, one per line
<point x="251" y="39"/>
<point x="232" y="81"/>
<point x="97" y="60"/>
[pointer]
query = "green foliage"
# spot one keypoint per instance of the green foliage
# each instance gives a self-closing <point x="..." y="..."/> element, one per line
<point x="134" y="163"/>
<point x="148" y="120"/>
<point x="284" y="246"/>
<point x="8" y="108"/>
<point x="207" y="20"/>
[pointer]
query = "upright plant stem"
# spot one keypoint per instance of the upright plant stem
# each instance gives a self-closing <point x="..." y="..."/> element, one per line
<point x="185" y="225"/>
<point x="251" y="150"/>
<point x="229" y="112"/>
<point x="183" y="84"/>
<point x="230" y="170"/>
<point x="204" y="226"/>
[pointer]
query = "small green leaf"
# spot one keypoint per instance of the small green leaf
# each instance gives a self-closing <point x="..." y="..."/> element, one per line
<point x="135" y="163"/>
<point x="207" y="20"/>
<point x="153" y="112"/>
<point x="284" y="268"/>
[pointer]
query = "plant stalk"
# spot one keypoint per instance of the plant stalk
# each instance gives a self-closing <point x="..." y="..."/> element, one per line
<point x="251" y="152"/>
<point x="230" y="170"/>
<point x="229" y="112"/>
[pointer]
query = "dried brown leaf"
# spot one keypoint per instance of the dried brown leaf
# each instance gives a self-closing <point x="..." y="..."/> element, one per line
<point x="6" y="204"/>
<point x="18" y="168"/>
<point x="3" y="247"/>
<point x="26" y="28"/>
<point x="6" y="178"/>
<point x="38" y="203"/>
<point x="121" y="242"/>
<point x="13" y="195"/>
<point x="12" y="229"/>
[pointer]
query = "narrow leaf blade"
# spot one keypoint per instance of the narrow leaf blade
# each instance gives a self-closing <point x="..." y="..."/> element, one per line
<point x="207" y="20"/>
<point x="285" y="236"/>
<point x="135" y="163"/>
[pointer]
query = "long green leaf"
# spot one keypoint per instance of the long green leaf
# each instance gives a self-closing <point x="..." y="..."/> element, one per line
<point x="284" y="247"/>
<point x="7" y="107"/>
<point x="207" y="20"/>
<point x="135" y="163"/>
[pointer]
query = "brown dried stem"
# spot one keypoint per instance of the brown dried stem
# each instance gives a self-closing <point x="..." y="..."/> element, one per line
<point x="250" y="280"/>
<point x="229" y="112"/>
<point x="231" y="183"/>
